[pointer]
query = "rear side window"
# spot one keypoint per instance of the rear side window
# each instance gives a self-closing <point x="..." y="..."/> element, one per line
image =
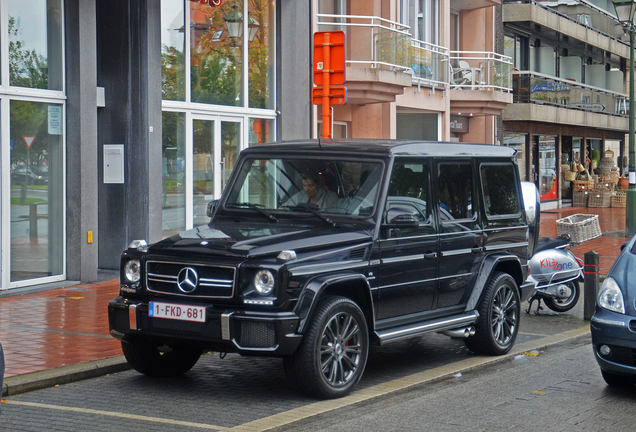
<point x="455" y="182"/>
<point x="500" y="190"/>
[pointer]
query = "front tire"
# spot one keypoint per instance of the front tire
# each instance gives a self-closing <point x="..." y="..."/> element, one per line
<point x="565" y="305"/>
<point x="499" y="314"/>
<point x="159" y="360"/>
<point x="332" y="356"/>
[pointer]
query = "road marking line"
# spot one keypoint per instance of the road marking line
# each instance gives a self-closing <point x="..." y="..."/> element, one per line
<point x="381" y="390"/>
<point x="116" y="414"/>
<point x="533" y="334"/>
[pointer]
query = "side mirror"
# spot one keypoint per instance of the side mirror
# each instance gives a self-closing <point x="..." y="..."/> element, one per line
<point x="212" y="208"/>
<point x="532" y="208"/>
<point x="399" y="217"/>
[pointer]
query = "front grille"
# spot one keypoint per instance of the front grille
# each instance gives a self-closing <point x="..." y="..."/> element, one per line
<point x="209" y="330"/>
<point x="255" y="334"/>
<point x="213" y="281"/>
<point x="632" y="325"/>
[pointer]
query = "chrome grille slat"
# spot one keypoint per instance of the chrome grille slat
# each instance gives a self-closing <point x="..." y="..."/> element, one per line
<point x="214" y="281"/>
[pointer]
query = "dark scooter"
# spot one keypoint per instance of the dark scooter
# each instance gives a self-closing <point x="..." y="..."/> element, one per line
<point x="556" y="273"/>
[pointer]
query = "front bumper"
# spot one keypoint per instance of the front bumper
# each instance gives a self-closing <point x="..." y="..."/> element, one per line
<point x="226" y="330"/>
<point x="618" y="332"/>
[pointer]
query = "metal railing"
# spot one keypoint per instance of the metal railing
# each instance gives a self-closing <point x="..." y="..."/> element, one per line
<point x="380" y="43"/>
<point x="532" y="87"/>
<point x="480" y="70"/>
<point x="596" y="9"/>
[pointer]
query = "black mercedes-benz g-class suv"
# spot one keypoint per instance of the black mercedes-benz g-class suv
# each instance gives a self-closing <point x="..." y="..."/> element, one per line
<point x="317" y="249"/>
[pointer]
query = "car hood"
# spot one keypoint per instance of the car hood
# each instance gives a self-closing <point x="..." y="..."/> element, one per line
<point x="228" y="239"/>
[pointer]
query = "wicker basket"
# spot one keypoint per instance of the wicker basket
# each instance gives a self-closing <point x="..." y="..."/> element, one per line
<point x="580" y="227"/>
<point x="579" y="198"/>
<point x="599" y="198"/>
<point x="619" y="200"/>
<point x="582" y="185"/>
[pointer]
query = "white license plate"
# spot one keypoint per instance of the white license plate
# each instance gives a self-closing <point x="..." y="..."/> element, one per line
<point x="177" y="312"/>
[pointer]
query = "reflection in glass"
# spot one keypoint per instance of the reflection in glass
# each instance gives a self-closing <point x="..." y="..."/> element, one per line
<point x="172" y="50"/>
<point x="291" y="186"/>
<point x="35" y="44"/>
<point x="216" y="58"/>
<point x="261" y="58"/>
<point x="173" y="173"/>
<point x="518" y="142"/>
<point x="37" y="190"/>
<point x="203" y="172"/>
<point x="261" y="131"/>
<point x="547" y="168"/>
<point x="230" y="148"/>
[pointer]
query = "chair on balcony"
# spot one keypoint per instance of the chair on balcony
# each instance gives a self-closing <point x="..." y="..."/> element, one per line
<point x="465" y="76"/>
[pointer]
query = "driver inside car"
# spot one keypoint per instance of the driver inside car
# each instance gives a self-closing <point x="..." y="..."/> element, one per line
<point x="314" y="192"/>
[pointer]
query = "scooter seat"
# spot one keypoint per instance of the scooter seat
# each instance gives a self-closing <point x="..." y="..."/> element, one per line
<point x="551" y="243"/>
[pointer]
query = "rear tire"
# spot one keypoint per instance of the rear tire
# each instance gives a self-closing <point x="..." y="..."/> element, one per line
<point x="499" y="314"/>
<point x="332" y="356"/>
<point x="565" y="304"/>
<point x="159" y="360"/>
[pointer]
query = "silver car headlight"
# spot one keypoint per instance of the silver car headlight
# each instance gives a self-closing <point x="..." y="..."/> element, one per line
<point x="611" y="297"/>
<point x="264" y="282"/>
<point x="132" y="270"/>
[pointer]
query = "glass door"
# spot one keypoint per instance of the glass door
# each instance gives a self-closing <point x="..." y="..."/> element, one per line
<point x="216" y="143"/>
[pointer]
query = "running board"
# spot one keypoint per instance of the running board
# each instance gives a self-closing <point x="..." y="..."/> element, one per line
<point x="417" y="329"/>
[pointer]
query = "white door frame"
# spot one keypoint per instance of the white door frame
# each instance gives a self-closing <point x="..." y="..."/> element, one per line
<point x="189" y="159"/>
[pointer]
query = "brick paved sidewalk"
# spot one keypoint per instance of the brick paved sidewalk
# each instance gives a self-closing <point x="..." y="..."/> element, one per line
<point x="58" y="327"/>
<point x="67" y="326"/>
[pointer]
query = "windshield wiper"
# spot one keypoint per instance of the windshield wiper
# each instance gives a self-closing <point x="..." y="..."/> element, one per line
<point x="257" y="207"/>
<point x="306" y="207"/>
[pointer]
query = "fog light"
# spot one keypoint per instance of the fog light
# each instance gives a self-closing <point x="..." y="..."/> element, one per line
<point x="605" y="350"/>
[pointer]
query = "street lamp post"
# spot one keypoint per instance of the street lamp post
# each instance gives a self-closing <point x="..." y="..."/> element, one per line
<point x="625" y="12"/>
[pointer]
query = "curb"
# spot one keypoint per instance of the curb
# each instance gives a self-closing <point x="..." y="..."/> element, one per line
<point x="63" y="375"/>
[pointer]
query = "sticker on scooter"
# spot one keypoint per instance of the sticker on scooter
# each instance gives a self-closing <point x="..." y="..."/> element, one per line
<point x="555" y="265"/>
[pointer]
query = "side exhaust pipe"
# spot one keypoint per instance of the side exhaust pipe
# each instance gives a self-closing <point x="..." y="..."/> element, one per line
<point x="460" y="332"/>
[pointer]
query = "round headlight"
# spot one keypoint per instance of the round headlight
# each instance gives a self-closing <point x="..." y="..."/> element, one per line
<point x="132" y="270"/>
<point x="264" y="282"/>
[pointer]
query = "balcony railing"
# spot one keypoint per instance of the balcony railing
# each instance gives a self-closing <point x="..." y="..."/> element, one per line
<point x="532" y="87"/>
<point x="477" y="70"/>
<point x="380" y="43"/>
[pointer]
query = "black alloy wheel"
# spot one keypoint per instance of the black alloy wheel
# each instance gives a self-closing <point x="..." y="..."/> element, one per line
<point x="333" y="353"/>
<point x="499" y="313"/>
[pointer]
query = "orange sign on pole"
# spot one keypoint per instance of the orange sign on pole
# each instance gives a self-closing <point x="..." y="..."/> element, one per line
<point x="337" y="95"/>
<point x="329" y="74"/>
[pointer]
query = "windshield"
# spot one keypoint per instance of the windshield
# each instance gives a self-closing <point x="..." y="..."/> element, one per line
<point x="292" y="185"/>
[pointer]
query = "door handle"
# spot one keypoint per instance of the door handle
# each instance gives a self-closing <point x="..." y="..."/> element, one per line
<point x="477" y="249"/>
<point x="430" y="255"/>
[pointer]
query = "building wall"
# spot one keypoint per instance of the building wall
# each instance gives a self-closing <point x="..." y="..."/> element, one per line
<point x="128" y="56"/>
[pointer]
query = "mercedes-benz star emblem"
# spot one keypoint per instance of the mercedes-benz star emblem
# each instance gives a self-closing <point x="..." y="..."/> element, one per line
<point x="187" y="280"/>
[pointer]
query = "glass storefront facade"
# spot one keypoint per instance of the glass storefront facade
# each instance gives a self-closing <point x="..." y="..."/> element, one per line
<point x="218" y="98"/>
<point x="32" y="131"/>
